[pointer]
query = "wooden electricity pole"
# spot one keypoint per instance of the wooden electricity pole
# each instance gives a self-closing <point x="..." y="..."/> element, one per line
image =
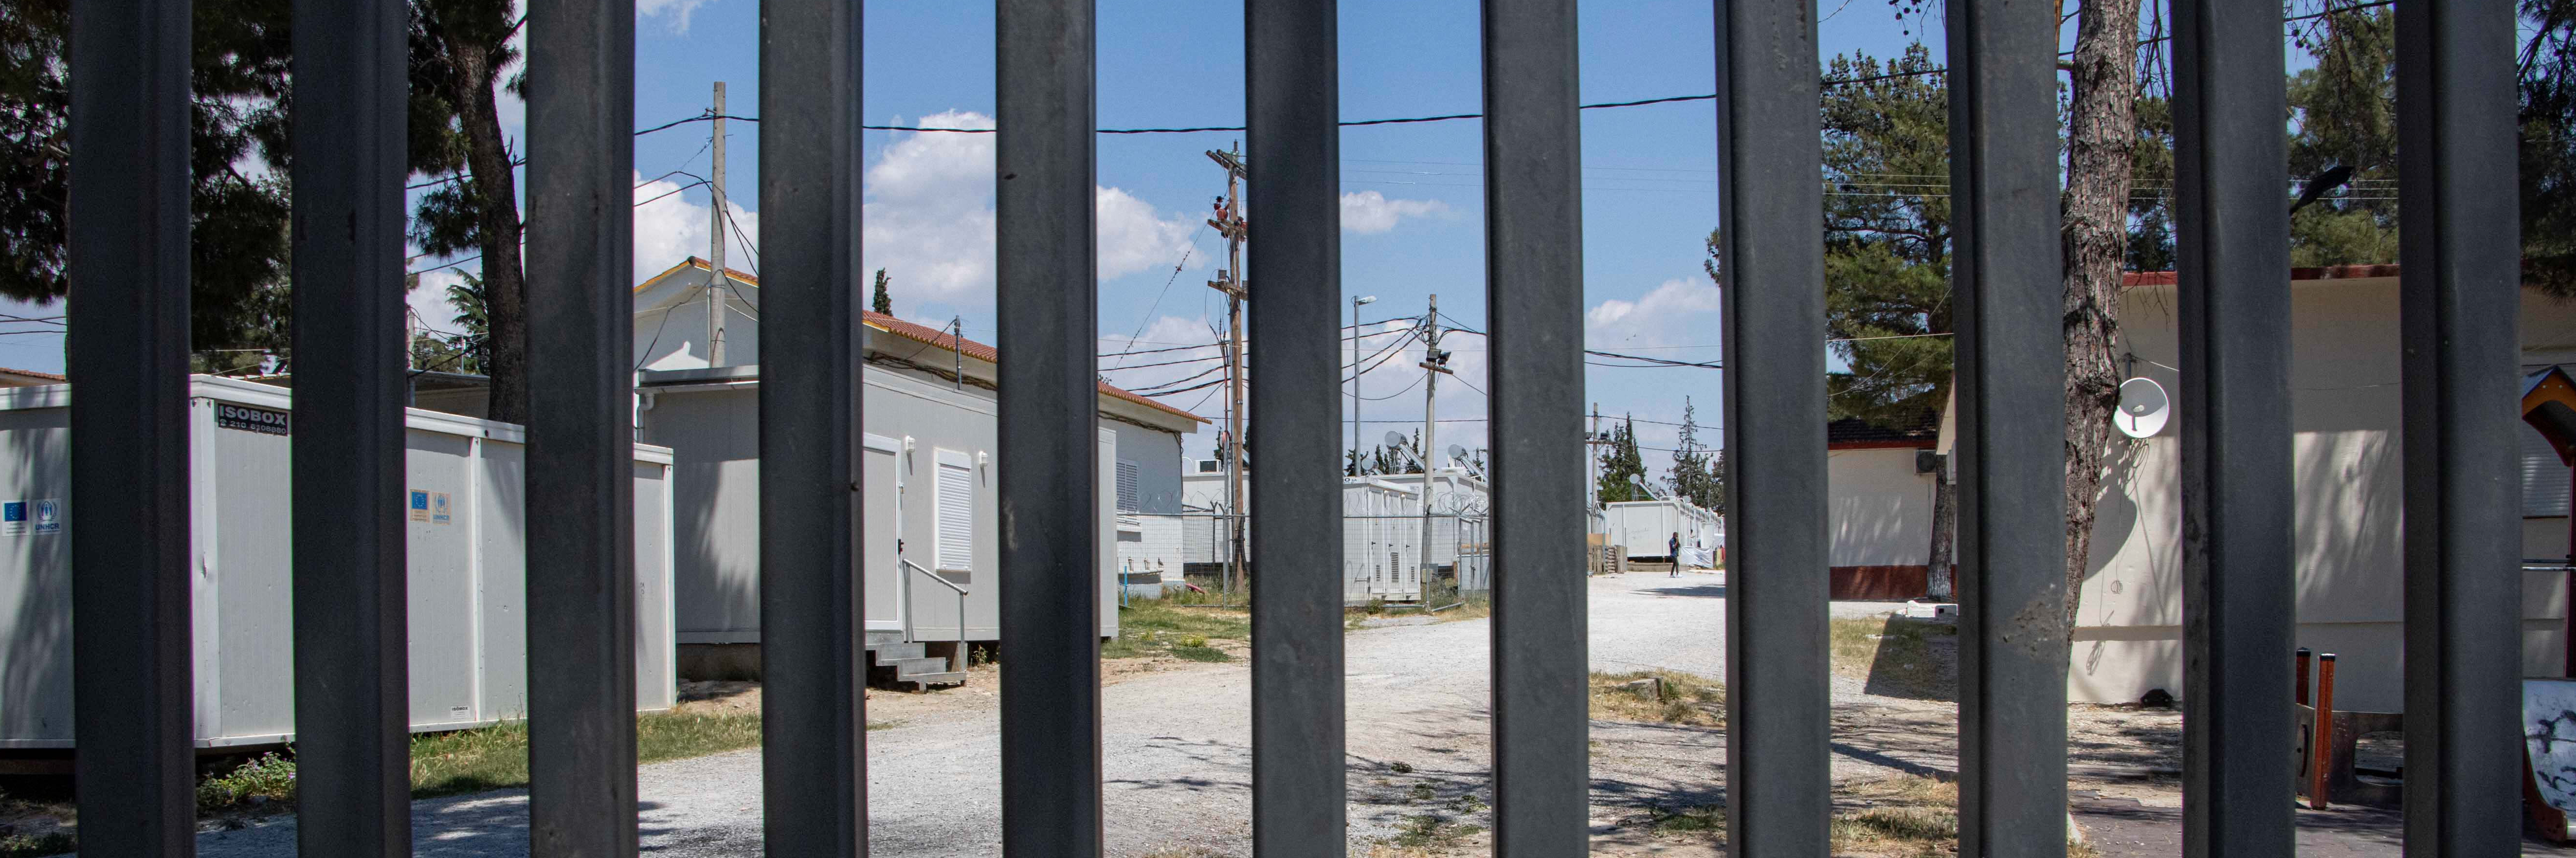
<point x="716" y="284"/>
<point x="1229" y="223"/>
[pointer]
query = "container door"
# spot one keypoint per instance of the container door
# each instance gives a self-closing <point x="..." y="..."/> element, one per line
<point x="880" y="518"/>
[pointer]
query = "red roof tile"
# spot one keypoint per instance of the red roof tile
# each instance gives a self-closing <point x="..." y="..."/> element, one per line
<point x="943" y="339"/>
<point x="2330" y="272"/>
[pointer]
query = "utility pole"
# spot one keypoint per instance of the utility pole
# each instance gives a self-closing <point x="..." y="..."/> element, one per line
<point x="1434" y="362"/>
<point x="1356" y="426"/>
<point x="1592" y="464"/>
<point x="716" y="285"/>
<point x="1229" y="222"/>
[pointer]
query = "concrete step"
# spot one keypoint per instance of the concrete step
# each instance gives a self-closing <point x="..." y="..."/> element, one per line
<point x="907" y="668"/>
<point x="886" y="653"/>
<point x="929" y="679"/>
<point x="880" y="637"/>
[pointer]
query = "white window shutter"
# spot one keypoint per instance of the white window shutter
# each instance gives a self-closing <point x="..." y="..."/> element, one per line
<point x="956" y="496"/>
<point x="1127" y="489"/>
<point x="2544" y="477"/>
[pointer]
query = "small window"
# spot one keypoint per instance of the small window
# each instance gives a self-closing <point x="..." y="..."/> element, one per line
<point x="1127" y="479"/>
<point x="956" y="499"/>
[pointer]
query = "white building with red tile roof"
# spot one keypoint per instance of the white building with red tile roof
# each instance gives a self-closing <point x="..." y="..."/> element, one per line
<point x="927" y="409"/>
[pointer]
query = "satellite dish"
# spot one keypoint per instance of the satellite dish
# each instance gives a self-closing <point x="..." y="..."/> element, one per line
<point x="2144" y="408"/>
<point x="1457" y="453"/>
<point x="1395" y="439"/>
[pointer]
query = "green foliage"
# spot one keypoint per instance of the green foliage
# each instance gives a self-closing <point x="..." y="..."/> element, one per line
<point x="486" y="758"/>
<point x="35" y="845"/>
<point x="883" y="302"/>
<point x="1621" y="466"/>
<point x="2548" y="145"/>
<point x="238" y="228"/>
<point x="269" y="777"/>
<point x="1887" y="226"/>
<point x="1698" y="473"/>
<point x="2344" y="113"/>
<point x="1150" y="627"/>
<point x="460" y="350"/>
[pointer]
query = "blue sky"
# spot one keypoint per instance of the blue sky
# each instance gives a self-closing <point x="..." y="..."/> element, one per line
<point x="1413" y="214"/>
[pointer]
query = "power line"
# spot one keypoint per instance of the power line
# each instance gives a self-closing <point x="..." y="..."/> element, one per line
<point x="1148" y="389"/>
<point x="1828" y="81"/>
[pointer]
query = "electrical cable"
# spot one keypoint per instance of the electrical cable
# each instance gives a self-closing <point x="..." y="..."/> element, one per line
<point x="1171" y="362"/>
<point x="1828" y="81"/>
<point x="1148" y="318"/>
<point x="1208" y="383"/>
<point x="1105" y="355"/>
<point x="666" y="322"/>
<point x="1151" y="389"/>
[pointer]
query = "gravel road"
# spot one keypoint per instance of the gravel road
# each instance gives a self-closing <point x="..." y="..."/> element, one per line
<point x="1176" y="752"/>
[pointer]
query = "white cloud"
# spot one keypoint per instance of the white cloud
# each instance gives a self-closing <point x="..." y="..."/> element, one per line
<point x="676" y="12"/>
<point x="1370" y="212"/>
<point x="1134" y="238"/>
<point x="429" y="302"/>
<point x="671" y="228"/>
<point x="930" y="221"/>
<point x="1679" y="312"/>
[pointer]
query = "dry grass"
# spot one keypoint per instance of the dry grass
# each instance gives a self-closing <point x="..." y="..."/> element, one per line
<point x="1154" y="627"/>
<point x="1895" y="655"/>
<point x="1686" y="698"/>
<point x="1905" y="817"/>
<point x="1356" y="617"/>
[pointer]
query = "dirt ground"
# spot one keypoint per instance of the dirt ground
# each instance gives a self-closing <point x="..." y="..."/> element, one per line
<point x="1176" y="754"/>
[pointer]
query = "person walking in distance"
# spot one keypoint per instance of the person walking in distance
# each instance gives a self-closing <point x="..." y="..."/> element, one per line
<point x="1676" y="553"/>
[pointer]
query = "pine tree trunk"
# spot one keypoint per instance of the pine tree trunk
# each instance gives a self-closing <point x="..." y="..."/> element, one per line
<point x="2103" y="120"/>
<point x="505" y="339"/>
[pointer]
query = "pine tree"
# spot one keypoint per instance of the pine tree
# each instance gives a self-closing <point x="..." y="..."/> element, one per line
<point x="883" y="302"/>
<point x="1622" y="468"/>
<point x="1697" y="474"/>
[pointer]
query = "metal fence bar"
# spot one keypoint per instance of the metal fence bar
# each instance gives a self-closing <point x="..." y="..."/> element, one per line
<point x="812" y="653"/>
<point x="1778" y="773"/>
<point x="2233" y="285"/>
<point x="581" y="578"/>
<point x="1291" y="97"/>
<point x="1534" y="307"/>
<point x="2011" y="359"/>
<point x="1048" y="290"/>
<point x="2459" y="299"/>
<point x="351" y="654"/>
<point x="128" y="348"/>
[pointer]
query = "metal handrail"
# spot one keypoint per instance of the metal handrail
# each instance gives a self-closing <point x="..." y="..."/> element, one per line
<point x="957" y="658"/>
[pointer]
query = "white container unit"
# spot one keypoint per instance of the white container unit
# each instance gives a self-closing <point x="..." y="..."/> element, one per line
<point x="467" y="594"/>
<point x="1381" y="539"/>
<point x="1647" y="527"/>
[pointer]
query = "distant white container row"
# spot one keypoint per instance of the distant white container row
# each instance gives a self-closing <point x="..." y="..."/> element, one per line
<point x="467" y="596"/>
<point x="1648" y="528"/>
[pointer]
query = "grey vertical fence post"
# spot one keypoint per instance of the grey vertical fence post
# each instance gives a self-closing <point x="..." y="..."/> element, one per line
<point x="2011" y="368"/>
<point x="2459" y="287"/>
<point x="1049" y="294"/>
<point x="128" y="350"/>
<point x="1291" y="96"/>
<point x="813" y="658"/>
<point x="1778" y="776"/>
<point x="1534" y="307"/>
<point x="352" y="656"/>
<point x="581" y="493"/>
<point x="2233" y="284"/>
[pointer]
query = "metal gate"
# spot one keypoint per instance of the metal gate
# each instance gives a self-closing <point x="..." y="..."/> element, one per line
<point x="129" y="349"/>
